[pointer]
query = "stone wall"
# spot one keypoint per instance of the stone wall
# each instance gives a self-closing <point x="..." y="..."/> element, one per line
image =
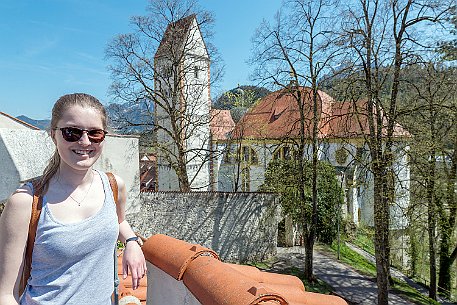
<point x="238" y="226"/>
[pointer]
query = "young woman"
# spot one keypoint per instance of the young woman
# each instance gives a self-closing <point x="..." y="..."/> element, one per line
<point x="79" y="225"/>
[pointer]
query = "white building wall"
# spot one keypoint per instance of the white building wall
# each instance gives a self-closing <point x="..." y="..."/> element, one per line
<point x="23" y="155"/>
<point x="9" y="122"/>
<point x="399" y="220"/>
<point x="196" y="100"/>
<point x="166" y="290"/>
<point x="358" y="179"/>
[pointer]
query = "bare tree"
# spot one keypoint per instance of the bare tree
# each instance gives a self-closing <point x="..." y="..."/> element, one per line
<point x="381" y="37"/>
<point x="166" y="63"/>
<point x="294" y="52"/>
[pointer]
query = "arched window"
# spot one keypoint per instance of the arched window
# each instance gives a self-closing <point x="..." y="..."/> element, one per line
<point x="284" y="152"/>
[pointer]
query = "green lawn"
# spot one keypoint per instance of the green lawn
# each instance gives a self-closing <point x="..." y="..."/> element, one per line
<point x="363" y="266"/>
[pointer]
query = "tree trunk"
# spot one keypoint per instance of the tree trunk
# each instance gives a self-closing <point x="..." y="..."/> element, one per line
<point x="431" y="226"/>
<point x="309" y="245"/>
<point x="181" y="172"/>
<point x="444" y="280"/>
<point x="447" y="224"/>
<point x="381" y="215"/>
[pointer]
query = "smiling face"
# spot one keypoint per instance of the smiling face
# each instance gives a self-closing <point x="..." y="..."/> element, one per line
<point x="82" y="154"/>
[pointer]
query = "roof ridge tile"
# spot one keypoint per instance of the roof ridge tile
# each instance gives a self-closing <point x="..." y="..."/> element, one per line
<point x="212" y="281"/>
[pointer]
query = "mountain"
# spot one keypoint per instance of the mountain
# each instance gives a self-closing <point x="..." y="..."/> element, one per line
<point x="120" y="117"/>
<point x="130" y="118"/>
<point x="41" y="124"/>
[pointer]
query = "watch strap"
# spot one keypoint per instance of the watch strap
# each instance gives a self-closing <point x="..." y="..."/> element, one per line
<point x="134" y="238"/>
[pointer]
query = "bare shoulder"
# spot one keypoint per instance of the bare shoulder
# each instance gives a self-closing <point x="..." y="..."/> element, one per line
<point x="18" y="208"/>
<point x="21" y="199"/>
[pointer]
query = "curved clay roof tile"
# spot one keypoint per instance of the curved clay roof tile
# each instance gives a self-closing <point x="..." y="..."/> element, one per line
<point x="211" y="282"/>
<point x="268" y="277"/>
<point x="173" y="255"/>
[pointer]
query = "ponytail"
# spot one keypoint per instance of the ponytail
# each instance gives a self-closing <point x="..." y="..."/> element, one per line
<point x="49" y="172"/>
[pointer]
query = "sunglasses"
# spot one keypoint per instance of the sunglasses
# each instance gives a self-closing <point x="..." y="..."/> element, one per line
<point x="74" y="134"/>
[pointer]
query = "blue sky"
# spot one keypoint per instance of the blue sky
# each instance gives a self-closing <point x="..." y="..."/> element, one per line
<point x="52" y="47"/>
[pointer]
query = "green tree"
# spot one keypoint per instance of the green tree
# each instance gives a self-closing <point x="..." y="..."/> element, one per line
<point x="283" y="177"/>
<point x="428" y="110"/>
<point x="240" y="101"/>
<point x="224" y="101"/>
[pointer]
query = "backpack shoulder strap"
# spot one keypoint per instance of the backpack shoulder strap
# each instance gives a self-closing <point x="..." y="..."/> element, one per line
<point x="113" y="184"/>
<point x="114" y="188"/>
<point x="37" y="205"/>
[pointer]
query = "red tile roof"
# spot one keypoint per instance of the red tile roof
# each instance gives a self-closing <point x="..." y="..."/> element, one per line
<point x="175" y="38"/>
<point x="213" y="282"/>
<point x="221" y="124"/>
<point x="277" y="116"/>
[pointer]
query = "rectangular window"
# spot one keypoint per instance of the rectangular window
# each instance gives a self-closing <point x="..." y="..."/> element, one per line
<point x="245" y="154"/>
<point x="196" y="70"/>
<point x="286" y="152"/>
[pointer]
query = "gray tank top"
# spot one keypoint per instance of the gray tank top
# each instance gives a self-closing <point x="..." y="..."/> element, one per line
<point x="73" y="263"/>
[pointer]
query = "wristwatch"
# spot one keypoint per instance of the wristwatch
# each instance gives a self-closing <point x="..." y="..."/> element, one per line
<point x="134" y="238"/>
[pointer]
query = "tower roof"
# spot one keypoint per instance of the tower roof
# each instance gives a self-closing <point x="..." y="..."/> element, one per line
<point x="176" y="37"/>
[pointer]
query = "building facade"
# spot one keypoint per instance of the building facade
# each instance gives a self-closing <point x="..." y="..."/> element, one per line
<point x="182" y="106"/>
<point x="223" y="156"/>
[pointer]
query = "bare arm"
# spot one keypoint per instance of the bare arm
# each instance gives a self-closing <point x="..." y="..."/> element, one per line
<point x="14" y="226"/>
<point x="133" y="259"/>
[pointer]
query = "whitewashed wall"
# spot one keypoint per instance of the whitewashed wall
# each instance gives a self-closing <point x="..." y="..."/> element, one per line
<point x="359" y="196"/>
<point x="196" y="96"/>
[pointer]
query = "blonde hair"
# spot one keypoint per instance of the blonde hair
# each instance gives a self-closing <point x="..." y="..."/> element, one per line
<point x="62" y="105"/>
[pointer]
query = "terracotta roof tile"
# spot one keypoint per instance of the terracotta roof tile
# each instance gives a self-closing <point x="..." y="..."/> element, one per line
<point x="214" y="282"/>
<point x="268" y="277"/>
<point x="173" y="255"/>
<point x="277" y="116"/>
<point x="221" y="124"/>
<point x="174" y="37"/>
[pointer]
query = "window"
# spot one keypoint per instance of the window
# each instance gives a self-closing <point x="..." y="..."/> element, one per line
<point x="228" y="155"/>
<point x="284" y="153"/>
<point x="245" y="180"/>
<point x="245" y="154"/>
<point x="249" y="155"/>
<point x="196" y="71"/>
